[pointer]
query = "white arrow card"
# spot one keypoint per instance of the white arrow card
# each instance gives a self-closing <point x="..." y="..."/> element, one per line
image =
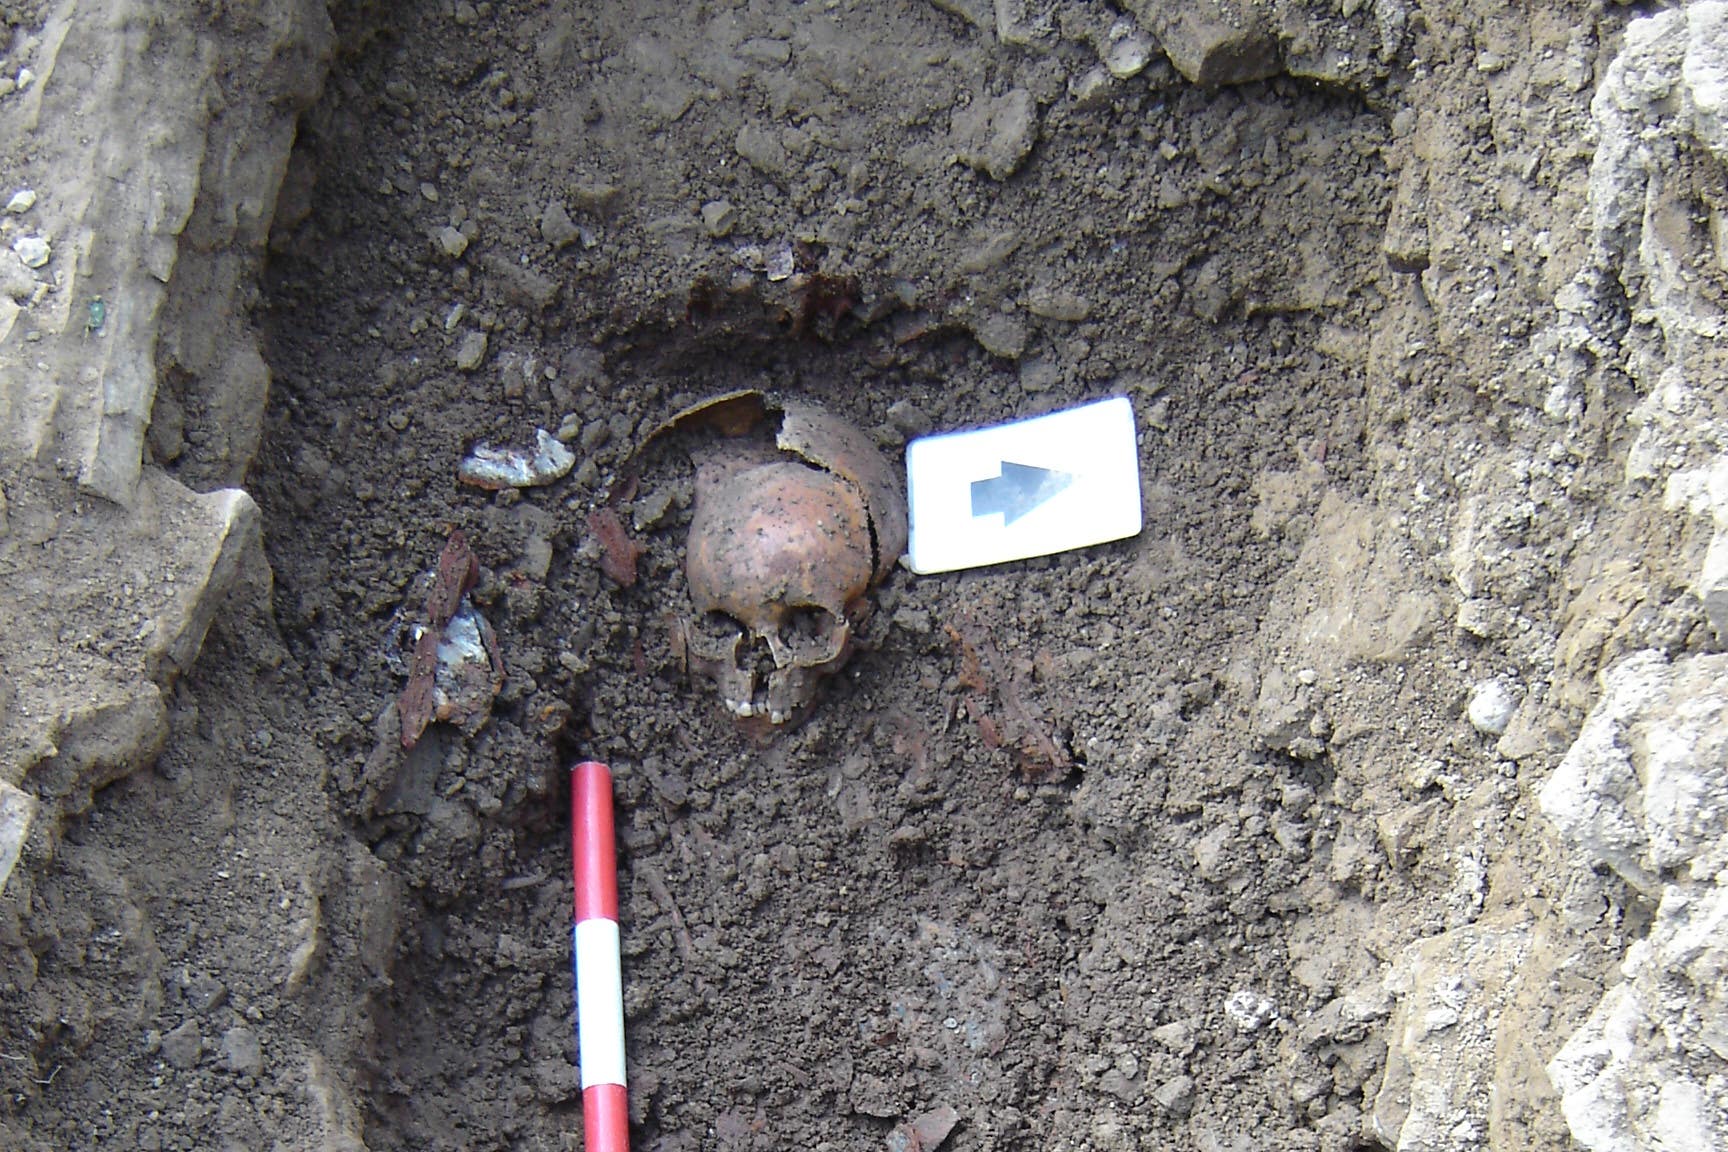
<point x="1048" y="484"/>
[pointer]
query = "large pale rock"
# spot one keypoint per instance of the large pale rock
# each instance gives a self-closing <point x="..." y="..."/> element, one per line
<point x="1355" y="597"/>
<point x="127" y="218"/>
<point x="1443" y="1048"/>
<point x="156" y="134"/>
<point x="1661" y="97"/>
<point x="1704" y="70"/>
<point x="1406" y="239"/>
<point x="155" y="202"/>
<point x="1642" y="1074"/>
<point x="1704" y="492"/>
<point x="131" y="594"/>
<point x="1351" y="600"/>
<point x="17" y="809"/>
<point x="1645" y="791"/>
<point x="1645" y="787"/>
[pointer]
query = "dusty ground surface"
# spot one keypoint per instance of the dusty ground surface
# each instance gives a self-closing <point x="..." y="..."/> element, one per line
<point x="1270" y="875"/>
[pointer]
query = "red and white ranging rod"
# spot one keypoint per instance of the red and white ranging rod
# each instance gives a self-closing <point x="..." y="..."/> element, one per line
<point x="599" y="980"/>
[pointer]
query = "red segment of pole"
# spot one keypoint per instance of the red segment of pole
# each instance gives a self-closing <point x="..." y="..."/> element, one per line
<point x="591" y="841"/>
<point x="605" y="1118"/>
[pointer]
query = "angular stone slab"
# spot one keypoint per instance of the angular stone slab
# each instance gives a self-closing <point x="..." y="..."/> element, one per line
<point x="1212" y="42"/>
<point x="17" y="809"/>
<point x="114" y="570"/>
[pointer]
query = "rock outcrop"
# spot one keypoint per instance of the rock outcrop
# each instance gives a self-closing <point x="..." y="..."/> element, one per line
<point x="145" y="236"/>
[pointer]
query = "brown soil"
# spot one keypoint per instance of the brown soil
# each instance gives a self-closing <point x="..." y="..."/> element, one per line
<point x="1120" y="939"/>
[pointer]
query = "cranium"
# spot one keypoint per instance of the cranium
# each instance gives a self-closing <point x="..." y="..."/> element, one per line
<point x="778" y="564"/>
<point x="785" y="543"/>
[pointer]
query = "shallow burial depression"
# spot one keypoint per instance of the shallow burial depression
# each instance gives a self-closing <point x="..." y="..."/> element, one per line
<point x="973" y="846"/>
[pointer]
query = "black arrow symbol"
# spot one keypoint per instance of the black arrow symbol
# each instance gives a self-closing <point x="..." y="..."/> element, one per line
<point x="1016" y="491"/>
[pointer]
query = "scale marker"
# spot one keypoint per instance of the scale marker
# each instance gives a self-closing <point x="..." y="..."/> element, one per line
<point x="596" y="961"/>
<point x="1065" y="480"/>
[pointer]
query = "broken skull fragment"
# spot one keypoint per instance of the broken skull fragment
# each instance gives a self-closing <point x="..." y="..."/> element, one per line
<point x="797" y="518"/>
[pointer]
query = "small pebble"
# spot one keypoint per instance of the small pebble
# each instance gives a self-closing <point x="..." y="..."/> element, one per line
<point x="556" y="227"/>
<point x="22" y="201"/>
<point x="1000" y="335"/>
<point x="451" y="241"/>
<point x="1176" y="1036"/>
<point x="1090" y="87"/>
<point x="497" y="469"/>
<point x="1056" y="304"/>
<point x="1249" y="1011"/>
<point x="32" y="250"/>
<point x="204" y="992"/>
<point x="932" y="1127"/>
<point x="183" y="1046"/>
<point x="651" y="509"/>
<point x="1129" y="51"/>
<point x="241" y="1052"/>
<point x="1492" y="704"/>
<point x="995" y="135"/>
<point x="718" y="217"/>
<point x="1039" y="376"/>
<point x="763" y="149"/>
<point x="471" y="351"/>
<point x="595" y="196"/>
<point x="1176" y="1096"/>
<point x="766" y="51"/>
<point x="908" y="419"/>
<point x="596" y="435"/>
<point x="1114" y="1083"/>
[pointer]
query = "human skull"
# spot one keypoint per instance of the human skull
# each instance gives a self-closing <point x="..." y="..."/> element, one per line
<point x="778" y="564"/>
<point x="784" y="546"/>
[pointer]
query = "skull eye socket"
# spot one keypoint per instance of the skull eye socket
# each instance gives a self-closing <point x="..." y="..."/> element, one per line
<point x="713" y="641"/>
<point x="812" y="634"/>
<point x="717" y="626"/>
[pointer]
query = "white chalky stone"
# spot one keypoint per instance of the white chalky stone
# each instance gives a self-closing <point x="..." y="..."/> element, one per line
<point x="1491" y="707"/>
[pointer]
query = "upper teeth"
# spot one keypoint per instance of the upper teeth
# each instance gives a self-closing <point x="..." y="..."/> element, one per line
<point x="744" y="710"/>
